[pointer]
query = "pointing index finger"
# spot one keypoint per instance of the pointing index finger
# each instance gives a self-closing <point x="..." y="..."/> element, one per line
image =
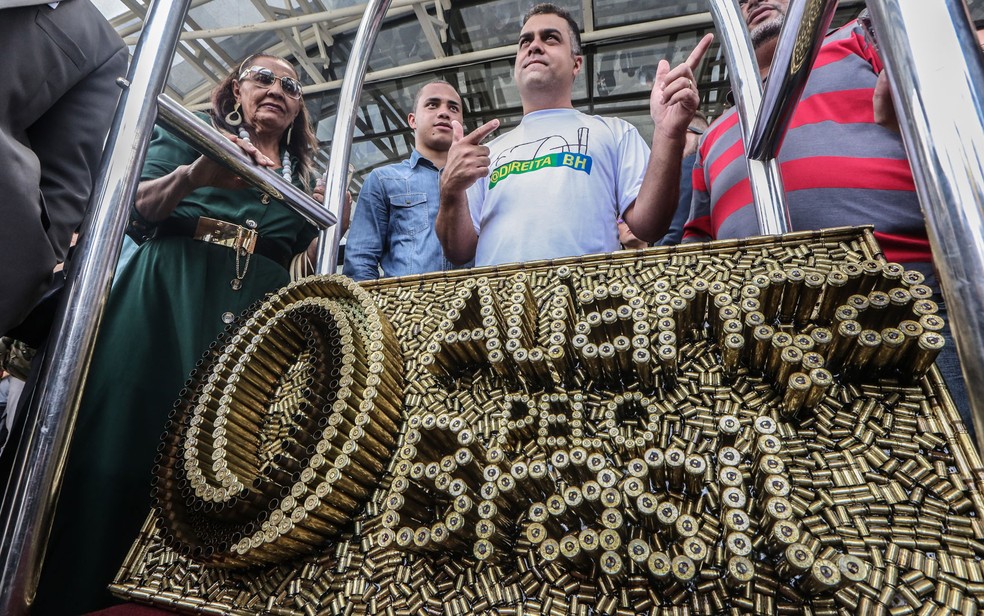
<point x="476" y="136"/>
<point x="693" y="61"/>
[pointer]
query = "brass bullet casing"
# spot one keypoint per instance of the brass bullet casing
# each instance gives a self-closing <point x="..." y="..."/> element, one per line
<point x="738" y="544"/>
<point x="695" y="549"/>
<point x="736" y="521"/>
<point x="609" y="539"/>
<point x="823" y="577"/>
<point x="797" y="389"/>
<point x="683" y="569"/>
<point x="922" y="307"/>
<point x="739" y="572"/>
<point x="686" y="526"/>
<point x="639" y="552"/>
<point x="844" y="340"/>
<point x="813" y="284"/>
<point x="729" y="427"/>
<point x="911" y="278"/>
<point x="728" y="456"/>
<point x="790" y="359"/>
<point x="733" y="498"/>
<point x="822" y="338"/>
<point x="772" y="297"/>
<point x="642" y="361"/>
<point x="623" y="354"/>
<point x="821" y="380"/>
<point x="667" y="515"/>
<point x="694" y="468"/>
<point x="776" y="485"/>
<point x="667" y="356"/>
<point x="655" y="460"/>
<point x="921" y="292"/>
<point x="878" y="311"/>
<point x="887" y="355"/>
<point x="852" y="569"/>
<point x="911" y="330"/>
<point x="761" y="346"/>
<point x="932" y="323"/>
<point x="924" y="354"/>
<point x="658" y="566"/>
<point x="674" y="460"/>
<point x="730" y="477"/>
<point x="833" y="295"/>
<point x="750" y="304"/>
<point x="891" y="276"/>
<point x="796" y="560"/>
<point x="751" y="320"/>
<point x="812" y="361"/>
<point x="780" y="341"/>
<point x="731" y="352"/>
<point x="861" y="353"/>
<point x="782" y="535"/>
<point x="795" y="278"/>
<point x="777" y="508"/>
<point x="611" y="518"/>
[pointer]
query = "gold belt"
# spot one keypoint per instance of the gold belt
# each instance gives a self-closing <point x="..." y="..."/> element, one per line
<point x="227" y="234"/>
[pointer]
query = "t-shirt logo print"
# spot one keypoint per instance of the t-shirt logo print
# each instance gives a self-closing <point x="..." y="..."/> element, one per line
<point x="552" y="151"/>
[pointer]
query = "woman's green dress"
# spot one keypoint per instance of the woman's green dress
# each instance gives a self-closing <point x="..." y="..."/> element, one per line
<point x="165" y="309"/>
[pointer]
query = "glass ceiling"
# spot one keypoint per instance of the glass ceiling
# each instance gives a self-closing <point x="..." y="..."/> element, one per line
<point x="470" y="43"/>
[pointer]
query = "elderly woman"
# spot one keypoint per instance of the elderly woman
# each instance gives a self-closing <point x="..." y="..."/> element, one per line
<point x="183" y="286"/>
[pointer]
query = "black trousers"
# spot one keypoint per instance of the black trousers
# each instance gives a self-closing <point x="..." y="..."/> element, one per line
<point x="57" y="100"/>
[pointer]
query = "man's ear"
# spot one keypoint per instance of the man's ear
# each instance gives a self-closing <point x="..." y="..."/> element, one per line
<point x="412" y="121"/>
<point x="578" y="63"/>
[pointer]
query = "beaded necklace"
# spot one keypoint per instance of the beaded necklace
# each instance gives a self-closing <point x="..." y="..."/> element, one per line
<point x="285" y="169"/>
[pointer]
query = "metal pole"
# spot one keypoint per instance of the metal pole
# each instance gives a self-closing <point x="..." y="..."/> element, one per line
<point x="348" y="105"/>
<point x="799" y="44"/>
<point x="937" y="77"/>
<point x="210" y="142"/>
<point x="28" y="505"/>
<point x="764" y="176"/>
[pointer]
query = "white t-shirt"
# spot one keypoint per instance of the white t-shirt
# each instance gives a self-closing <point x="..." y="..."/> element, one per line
<point x="557" y="185"/>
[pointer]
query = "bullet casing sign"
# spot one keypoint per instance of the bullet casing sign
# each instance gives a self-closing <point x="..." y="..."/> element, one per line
<point x="743" y="427"/>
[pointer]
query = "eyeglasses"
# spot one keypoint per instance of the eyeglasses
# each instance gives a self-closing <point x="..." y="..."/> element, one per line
<point x="694" y="130"/>
<point x="265" y="78"/>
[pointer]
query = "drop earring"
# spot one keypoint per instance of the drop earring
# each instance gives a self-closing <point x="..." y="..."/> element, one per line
<point x="234" y="118"/>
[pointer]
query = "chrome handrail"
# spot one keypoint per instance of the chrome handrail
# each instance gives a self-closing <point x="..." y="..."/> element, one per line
<point x="764" y="176"/>
<point x="936" y="70"/>
<point x="348" y="105"/>
<point x="28" y="506"/>
<point x="210" y="142"/>
<point x="797" y="49"/>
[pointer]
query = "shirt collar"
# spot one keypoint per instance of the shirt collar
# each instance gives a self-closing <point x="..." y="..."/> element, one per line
<point x="416" y="158"/>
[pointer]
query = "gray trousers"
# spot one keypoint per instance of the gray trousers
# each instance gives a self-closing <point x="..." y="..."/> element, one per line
<point x="57" y="100"/>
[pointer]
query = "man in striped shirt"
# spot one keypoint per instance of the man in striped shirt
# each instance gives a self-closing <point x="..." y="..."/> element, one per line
<point x="839" y="166"/>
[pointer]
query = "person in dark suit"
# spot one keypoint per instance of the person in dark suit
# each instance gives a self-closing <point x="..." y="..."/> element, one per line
<point x="57" y="102"/>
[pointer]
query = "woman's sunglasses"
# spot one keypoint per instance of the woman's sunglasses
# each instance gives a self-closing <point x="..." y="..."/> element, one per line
<point x="265" y="78"/>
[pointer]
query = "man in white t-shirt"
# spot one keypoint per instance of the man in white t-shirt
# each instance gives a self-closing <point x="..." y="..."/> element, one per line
<point x="561" y="179"/>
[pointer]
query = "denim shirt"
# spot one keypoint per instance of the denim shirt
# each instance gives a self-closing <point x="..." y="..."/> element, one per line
<point x="393" y="226"/>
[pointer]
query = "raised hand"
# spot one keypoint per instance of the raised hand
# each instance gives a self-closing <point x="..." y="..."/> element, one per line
<point x="468" y="160"/>
<point x="675" y="98"/>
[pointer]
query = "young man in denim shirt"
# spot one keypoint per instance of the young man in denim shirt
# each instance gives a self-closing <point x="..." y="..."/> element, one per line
<point x="393" y="227"/>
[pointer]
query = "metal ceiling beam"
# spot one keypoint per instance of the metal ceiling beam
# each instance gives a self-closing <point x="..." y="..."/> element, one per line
<point x="432" y="29"/>
<point x="700" y="20"/>
<point x="302" y="20"/>
<point x="297" y="49"/>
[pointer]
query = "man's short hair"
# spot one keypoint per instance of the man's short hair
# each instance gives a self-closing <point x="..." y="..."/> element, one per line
<point x="545" y="8"/>
<point x="420" y="91"/>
